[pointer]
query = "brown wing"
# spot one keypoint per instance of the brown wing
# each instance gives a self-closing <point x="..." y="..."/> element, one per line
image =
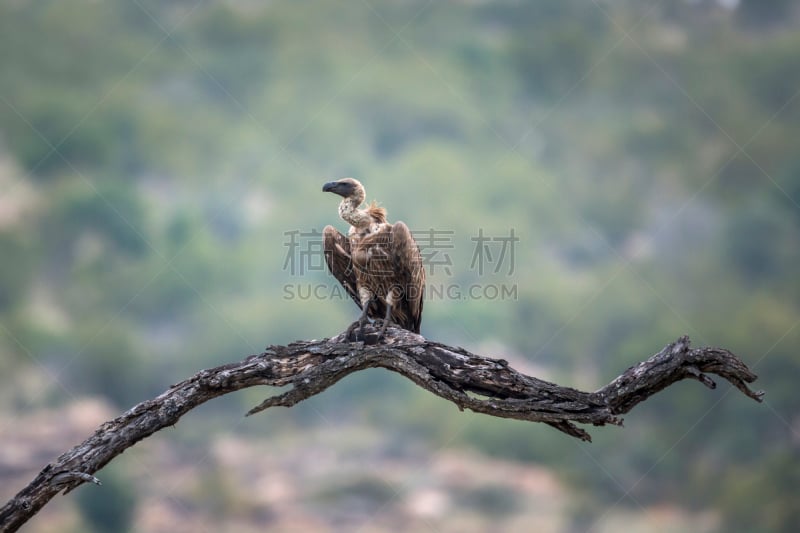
<point x="338" y="258"/>
<point x="409" y="277"/>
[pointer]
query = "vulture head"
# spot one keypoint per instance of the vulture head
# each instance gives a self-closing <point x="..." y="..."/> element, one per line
<point x="346" y="188"/>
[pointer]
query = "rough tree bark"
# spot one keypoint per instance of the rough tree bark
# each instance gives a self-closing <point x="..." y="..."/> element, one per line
<point x="474" y="382"/>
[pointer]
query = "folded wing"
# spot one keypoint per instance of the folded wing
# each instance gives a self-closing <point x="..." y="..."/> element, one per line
<point x="338" y="257"/>
<point x="388" y="264"/>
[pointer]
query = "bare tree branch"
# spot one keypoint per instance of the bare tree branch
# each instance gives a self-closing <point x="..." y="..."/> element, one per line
<point x="474" y="382"/>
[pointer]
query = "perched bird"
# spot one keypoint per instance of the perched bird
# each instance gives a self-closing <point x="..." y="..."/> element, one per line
<point x="377" y="263"/>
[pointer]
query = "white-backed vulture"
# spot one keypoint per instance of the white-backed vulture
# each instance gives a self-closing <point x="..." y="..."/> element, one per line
<point x="377" y="263"/>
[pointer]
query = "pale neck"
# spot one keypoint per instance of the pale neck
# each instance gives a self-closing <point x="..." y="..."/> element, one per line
<point x="349" y="211"/>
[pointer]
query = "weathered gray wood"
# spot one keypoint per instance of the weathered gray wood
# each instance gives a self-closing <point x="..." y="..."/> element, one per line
<point x="474" y="382"/>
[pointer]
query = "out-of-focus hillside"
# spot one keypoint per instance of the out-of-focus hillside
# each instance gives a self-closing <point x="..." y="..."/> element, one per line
<point x="328" y="478"/>
<point x="588" y="181"/>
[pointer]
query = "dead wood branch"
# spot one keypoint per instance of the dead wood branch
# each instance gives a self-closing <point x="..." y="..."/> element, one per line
<point x="474" y="382"/>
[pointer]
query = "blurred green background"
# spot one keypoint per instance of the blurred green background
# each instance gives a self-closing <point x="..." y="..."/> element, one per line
<point x="157" y="159"/>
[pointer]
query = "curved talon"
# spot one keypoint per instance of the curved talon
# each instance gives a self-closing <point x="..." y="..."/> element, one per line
<point x="355" y="332"/>
<point x="350" y="332"/>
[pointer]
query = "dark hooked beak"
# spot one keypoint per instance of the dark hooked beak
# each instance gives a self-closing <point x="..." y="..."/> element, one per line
<point x="343" y="188"/>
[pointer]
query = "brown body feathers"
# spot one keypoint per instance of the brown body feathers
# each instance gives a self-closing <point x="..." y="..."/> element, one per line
<point x="377" y="263"/>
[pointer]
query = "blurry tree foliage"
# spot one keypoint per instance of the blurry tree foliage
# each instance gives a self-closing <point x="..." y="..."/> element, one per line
<point x="645" y="154"/>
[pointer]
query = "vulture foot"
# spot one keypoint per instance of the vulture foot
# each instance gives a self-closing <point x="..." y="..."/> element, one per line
<point x="355" y="332"/>
<point x="366" y="333"/>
